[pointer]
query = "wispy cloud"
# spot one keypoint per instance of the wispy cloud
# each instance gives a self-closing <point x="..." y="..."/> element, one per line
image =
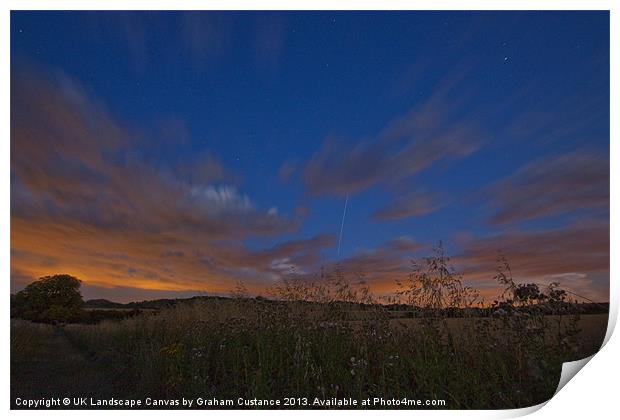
<point x="544" y="255"/>
<point x="438" y="129"/>
<point x="552" y="186"/>
<point x="383" y="265"/>
<point x="206" y="35"/>
<point x="415" y="203"/>
<point x="270" y="39"/>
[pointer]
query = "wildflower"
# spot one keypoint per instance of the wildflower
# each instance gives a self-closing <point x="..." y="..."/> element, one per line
<point x="172" y="350"/>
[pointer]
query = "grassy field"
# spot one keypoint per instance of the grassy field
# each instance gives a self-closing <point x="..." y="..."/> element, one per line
<point x="591" y="330"/>
<point x="258" y="349"/>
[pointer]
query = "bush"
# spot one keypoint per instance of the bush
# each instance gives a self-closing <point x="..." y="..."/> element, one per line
<point x="51" y="299"/>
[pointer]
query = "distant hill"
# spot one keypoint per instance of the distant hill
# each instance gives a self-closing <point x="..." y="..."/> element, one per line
<point x="583" y="308"/>
<point x="103" y="304"/>
<point x="145" y="304"/>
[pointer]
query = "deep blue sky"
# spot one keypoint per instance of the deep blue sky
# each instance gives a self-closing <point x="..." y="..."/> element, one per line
<point x="484" y="103"/>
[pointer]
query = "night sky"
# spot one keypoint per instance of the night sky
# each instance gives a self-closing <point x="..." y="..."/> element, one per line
<point x="171" y="154"/>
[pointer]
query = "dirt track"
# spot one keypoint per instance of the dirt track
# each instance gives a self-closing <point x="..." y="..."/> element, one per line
<point x="54" y="368"/>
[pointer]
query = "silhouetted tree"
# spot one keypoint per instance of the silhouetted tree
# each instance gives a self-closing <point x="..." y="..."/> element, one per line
<point x="525" y="294"/>
<point x="54" y="298"/>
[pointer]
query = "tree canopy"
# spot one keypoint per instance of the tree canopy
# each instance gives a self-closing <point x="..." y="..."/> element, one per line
<point x="55" y="298"/>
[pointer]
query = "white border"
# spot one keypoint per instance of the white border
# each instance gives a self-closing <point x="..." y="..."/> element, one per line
<point x="592" y="395"/>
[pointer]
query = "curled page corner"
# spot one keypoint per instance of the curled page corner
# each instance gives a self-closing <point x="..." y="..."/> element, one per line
<point x="569" y="370"/>
<point x="520" y="412"/>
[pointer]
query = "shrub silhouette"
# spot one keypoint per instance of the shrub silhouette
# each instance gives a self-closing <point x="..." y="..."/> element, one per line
<point x="54" y="298"/>
<point x="434" y="284"/>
